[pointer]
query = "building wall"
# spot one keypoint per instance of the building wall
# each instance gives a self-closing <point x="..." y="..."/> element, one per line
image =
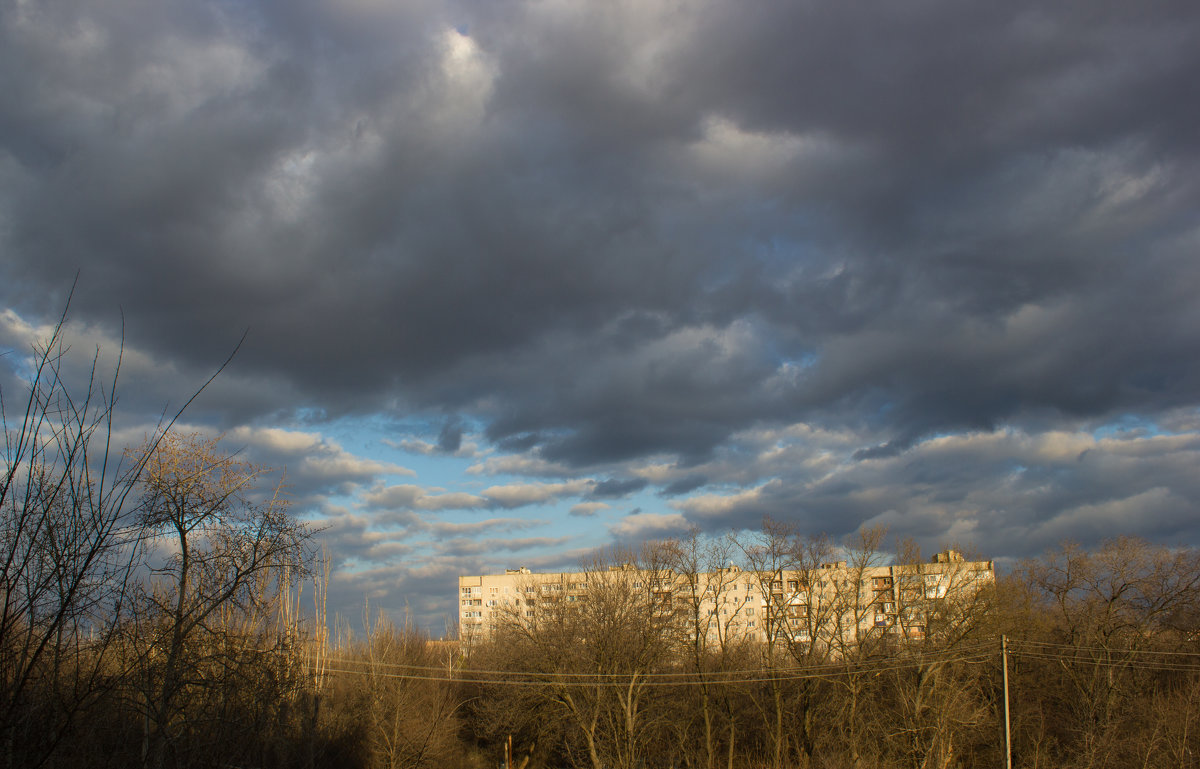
<point x="829" y="604"/>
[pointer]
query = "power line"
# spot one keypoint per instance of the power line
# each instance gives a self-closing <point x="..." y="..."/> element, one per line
<point x="1179" y="667"/>
<point x="826" y="666"/>
<point x="592" y="680"/>
<point x="829" y="667"/>
<point x="969" y="654"/>
<point x="1107" y="650"/>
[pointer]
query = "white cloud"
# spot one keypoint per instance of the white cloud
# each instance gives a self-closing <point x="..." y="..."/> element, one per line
<point x="520" y="494"/>
<point x="587" y="509"/>
<point x="649" y="525"/>
<point x="716" y="505"/>
<point x="312" y="457"/>
<point x="521" y="464"/>
<point x="446" y="529"/>
<point x="468" y="449"/>
<point x="420" y="498"/>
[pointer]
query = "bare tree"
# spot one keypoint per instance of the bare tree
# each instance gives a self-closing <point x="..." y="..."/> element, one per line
<point x="769" y="557"/>
<point x="220" y="551"/>
<point x="385" y="688"/>
<point x="715" y="619"/>
<point x="593" y="647"/>
<point x="1097" y="625"/>
<point x="67" y="549"/>
<point x="856" y="634"/>
<point x="943" y="617"/>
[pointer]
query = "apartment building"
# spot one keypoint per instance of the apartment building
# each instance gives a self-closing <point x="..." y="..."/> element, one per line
<point x="829" y="603"/>
<point x="483" y="600"/>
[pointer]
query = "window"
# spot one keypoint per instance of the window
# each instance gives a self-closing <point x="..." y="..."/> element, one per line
<point x="638" y="585"/>
<point x="793" y="585"/>
<point x="750" y="611"/>
<point x="465" y="591"/>
<point x="493" y="590"/>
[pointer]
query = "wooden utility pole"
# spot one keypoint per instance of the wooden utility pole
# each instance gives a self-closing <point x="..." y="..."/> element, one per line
<point x="1007" y="724"/>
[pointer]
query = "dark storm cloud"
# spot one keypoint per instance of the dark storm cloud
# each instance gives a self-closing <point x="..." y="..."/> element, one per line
<point x="684" y="485"/>
<point x="450" y="438"/>
<point x="611" y="233"/>
<point x="617" y="487"/>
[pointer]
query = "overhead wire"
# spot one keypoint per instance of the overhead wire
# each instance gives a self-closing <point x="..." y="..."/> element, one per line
<point x="682" y="678"/>
<point x="828" y="666"/>
<point x="1178" y="667"/>
<point x="968" y="654"/>
<point x="831" y="667"/>
<point x="1071" y="647"/>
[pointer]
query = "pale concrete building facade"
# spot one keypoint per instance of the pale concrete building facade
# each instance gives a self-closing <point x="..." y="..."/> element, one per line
<point x="830" y="603"/>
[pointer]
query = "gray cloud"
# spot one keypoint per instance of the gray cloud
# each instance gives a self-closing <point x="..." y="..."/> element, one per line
<point x="1014" y="492"/>
<point x="617" y="487"/>
<point x="767" y="261"/>
<point x="451" y="437"/>
<point x="539" y="181"/>
<point x="684" y="485"/>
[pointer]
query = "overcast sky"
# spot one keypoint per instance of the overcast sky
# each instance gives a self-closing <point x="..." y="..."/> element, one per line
<point x="522" y="279"/>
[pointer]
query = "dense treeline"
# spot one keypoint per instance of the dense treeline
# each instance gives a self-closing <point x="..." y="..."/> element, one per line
<point x="1103" y="668"/>
<point x="152" y="613"/>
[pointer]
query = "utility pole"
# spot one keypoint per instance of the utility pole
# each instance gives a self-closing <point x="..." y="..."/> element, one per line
<point x="1007" y="724"/>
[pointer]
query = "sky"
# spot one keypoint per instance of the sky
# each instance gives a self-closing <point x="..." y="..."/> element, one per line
<point x="521" y="279"/>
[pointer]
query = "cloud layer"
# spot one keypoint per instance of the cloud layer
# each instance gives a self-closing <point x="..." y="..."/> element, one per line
<point x="644" y="264"/>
